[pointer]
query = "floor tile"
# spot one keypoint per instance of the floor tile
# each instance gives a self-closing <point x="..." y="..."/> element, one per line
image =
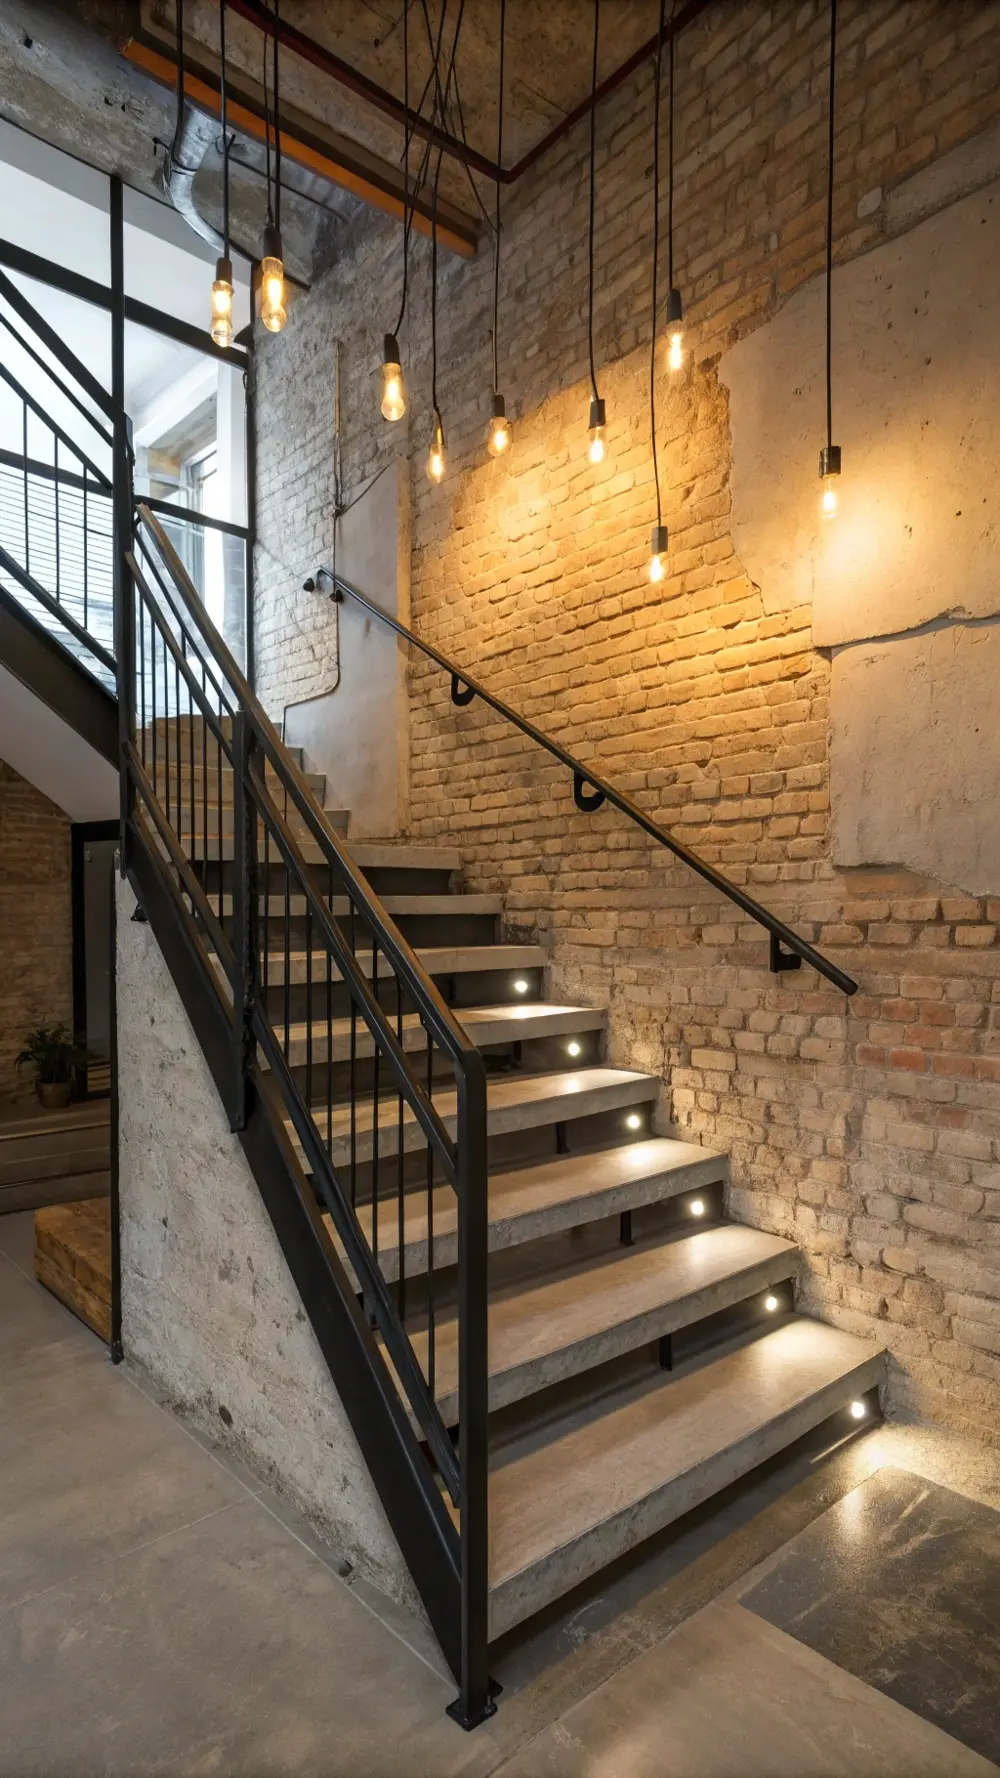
<point x="729" y="1696"/>
<point x="225" y="1648"/>
<point x="89" y="1468"/>
<point x="897" y="1583"/>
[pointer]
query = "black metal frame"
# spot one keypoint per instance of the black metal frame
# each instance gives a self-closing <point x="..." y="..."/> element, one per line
<point x="81" y="833"/>
<point x="189" y="716"/>
<point x="787" y="950"/>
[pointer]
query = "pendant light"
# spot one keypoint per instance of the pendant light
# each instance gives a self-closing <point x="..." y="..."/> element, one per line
<point x="658" y="541"/>
<point x="222" y="289"/>
<point x="393" y="402"/>
<point x="436" y="457"/>
<point x="498" y="436"/>
<point x="597" y="447"/>
<point x="675" y="307"/>
<point x="829" y="457"/>
<point x="272" y="265"/>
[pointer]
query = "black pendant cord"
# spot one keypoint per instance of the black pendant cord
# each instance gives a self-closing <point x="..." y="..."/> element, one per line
<point x="434" y="286"/>
<point x="593" y="192"/>
<point x="670" y="147"/>
<point x="224" y="114"/>
<point x="496" y="241"/>
<point x="407" y="134"/>
<point x="277" y="130"/>
<point x="829" y="229"/>
<point x="267" y="141"/>
<point x="656" y="261"/>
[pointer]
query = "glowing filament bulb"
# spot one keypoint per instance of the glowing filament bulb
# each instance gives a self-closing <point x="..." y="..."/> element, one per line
<point x="498" y="434"/>
<point x="436" y="455"/>
<point x="222" y="303"/>
<point x="272" y="281"/>
<point x="858" y="1410"/>
<point x="573" y="1049"/>
<point x="393" y="389"/>
<point x="829" y="472"/>
<point x="675" y="341"/>
<point x="697" y="1207"/>
<point x="658" y="554"/>
<point x="598" y="421"/>
<point x="770" y="1304"/>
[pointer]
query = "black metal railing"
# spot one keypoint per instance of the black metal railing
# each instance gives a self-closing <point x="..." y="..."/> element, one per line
<point x="591" y="790"/>
<point x="57" y="532"/>
<point x="382" y="1093"/>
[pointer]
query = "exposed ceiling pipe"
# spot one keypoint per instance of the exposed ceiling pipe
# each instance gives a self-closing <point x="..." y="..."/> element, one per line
<point x="194" y="135"/>
<point x="384" y="100"/>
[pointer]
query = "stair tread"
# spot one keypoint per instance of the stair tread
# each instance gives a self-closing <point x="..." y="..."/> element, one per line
<point x="623" y="1473"/>
<point x="501" y="1023"/>
<point x="512" y="1102"/>
<point x="582" y="1314"/>
<point x="367" y="855"/>
<point x="547" y="1195"/>
<point x="436" y="959"/>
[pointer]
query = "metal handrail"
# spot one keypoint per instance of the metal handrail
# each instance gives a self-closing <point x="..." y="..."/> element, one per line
<point x="464" y="687"/>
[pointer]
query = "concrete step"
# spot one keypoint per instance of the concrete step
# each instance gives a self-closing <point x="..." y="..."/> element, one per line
<point x="205" y="780"/>
<point x="190" y="820"/>
<point x="438" y="960"/>
<point x="513" y="1023"/>
<point x="514" y="1102"/>
<point x="399" y="906"/>
<point x="367" y="855"/>
<point x="544" y="1198"/>
<point x="40" y="1162"/>
<point x="552" y="1328"/>
<point x="587" y="1489"/>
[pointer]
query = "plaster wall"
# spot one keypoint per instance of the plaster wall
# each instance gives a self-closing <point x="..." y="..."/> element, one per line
<point x="358" y="733"/>
<point x="209" y="1310"/>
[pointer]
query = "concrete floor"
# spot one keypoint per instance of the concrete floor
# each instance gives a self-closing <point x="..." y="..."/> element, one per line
<point x="163" y="1613"/>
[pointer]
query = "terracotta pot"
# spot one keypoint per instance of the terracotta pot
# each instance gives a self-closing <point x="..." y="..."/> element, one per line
<point x="54" y="1094"/>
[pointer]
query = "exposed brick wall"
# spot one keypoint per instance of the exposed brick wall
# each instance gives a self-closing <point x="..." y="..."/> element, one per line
<point x="868" y="1132"/>
<point x="36" y="981"/>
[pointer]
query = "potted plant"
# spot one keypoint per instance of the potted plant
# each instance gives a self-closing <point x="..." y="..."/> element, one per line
<point x="53" y="1053"/>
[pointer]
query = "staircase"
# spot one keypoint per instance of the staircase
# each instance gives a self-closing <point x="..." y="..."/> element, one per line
<point x="549" y="1338"/>
<point x="644" y="1351"/>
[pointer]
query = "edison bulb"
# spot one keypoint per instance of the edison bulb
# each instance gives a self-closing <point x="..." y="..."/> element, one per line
<point x="829" y="479"/>
<point x="498" y="433"/>
<point x="222" y="303"/>
<point x="675" y="351"/>
<point x="393" y="388"/>
<point x="598" y="421"/>
<point x="675" y="332"/>
<point x="272" y="294"/>
<point x="436" y="459"/>
<point x="658" y="554"/>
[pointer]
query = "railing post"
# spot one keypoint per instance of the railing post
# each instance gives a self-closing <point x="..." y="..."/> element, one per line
<point x="477" y="1698"/>
<point x="121" y="498"/>
<point x="245" y="919"/>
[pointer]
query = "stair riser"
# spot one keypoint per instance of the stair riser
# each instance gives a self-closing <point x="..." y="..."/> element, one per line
<point x="536" y="1138"/>
<point x="314" y="1079"/>
<point x="418" y="930"/>
<point x="628" y="1336"/>
<point x="384" y="881"/>
<point x="507" y="1235"/>
<point x="49" y="1164"/>
<point x="66" y="1189"/>
<point x="525" y="1594"/>
<point x="494" y="988"/>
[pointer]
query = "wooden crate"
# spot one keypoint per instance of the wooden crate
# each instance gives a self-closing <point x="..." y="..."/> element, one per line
<point x="73" y="1258"/>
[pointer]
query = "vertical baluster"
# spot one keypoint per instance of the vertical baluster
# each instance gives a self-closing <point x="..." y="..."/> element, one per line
<point x="400" y="1222"/>
<point x="218" y="788"/>
<point x="55" y="490"/>
<point x="288" y="955"/>
<point x="430" y="1232"/>
<point x="329" y="1012"/>
<point x="24" y="473"/>
<point x="309" y="1009"/>
<point x="192" y="841"/>
<point x="203" y="850"/>
<point x="376" y="1143"/>
<point x="141" y="620"/>
<point x="152" y="695"/>
<point x="177" y="750"/>
<point x="354" y="1080"/>
<point x="245" y="900"/>
<point x="266" y="966"/>
<point x="86" y="587"/>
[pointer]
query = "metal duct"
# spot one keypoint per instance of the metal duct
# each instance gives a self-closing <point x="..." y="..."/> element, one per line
<point x="194" y="136"/>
